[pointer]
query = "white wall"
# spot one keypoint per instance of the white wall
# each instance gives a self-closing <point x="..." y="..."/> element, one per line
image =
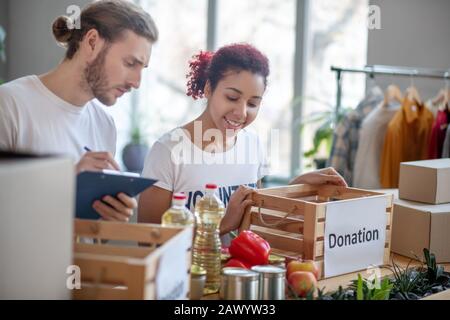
<point x="31" y="47"/>
<point x="414" y="33"/>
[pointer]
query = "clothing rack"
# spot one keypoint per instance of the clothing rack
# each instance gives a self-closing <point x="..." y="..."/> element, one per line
<point x="373" y="70"/>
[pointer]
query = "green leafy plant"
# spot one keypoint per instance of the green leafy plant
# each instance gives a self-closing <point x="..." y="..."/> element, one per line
<point x="407" y="281"/>
<point x="370" y="290"/>
<point x="137" y="128"/>
<point x="410" y="283"/>
<point x="435" y="273"/>
<point x="326" y="121"/>
<point x="136" y="136"/>
<point x="339" y="294"/>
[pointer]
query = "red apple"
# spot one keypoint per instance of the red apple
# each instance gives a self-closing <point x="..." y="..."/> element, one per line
<point x="307" y="265"/>
<point x="302" y="282"/>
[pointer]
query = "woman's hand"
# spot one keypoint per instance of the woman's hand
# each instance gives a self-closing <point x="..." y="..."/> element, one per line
<point x="323" y="176"/>
<point x="235" y="209"/>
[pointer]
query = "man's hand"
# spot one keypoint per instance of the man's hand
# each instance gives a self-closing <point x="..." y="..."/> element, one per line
<point x="323" y="176"/>
<point x="116" y="209"/>
<point x="97" y="161"/>
<point x="235" y="209"/>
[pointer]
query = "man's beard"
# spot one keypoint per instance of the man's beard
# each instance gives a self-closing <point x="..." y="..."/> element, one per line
<point x="96" y="80"/>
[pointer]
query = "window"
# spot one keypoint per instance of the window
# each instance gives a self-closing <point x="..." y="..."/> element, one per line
<point x="337" y="35"/>
<point x="269" y="25"/>
<point x="161" y="103"/>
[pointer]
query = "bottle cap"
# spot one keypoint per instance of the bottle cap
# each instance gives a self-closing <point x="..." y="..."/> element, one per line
<point x="211" y="186"/>
<point x="179" y="196"/>
<point x="197" y="270"/>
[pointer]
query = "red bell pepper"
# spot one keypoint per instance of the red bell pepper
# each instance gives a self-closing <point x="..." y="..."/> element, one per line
<point x="233" y="262"/>
<point x="250" y="248"/>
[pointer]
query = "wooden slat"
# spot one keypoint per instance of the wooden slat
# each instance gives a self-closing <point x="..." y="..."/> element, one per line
<point x="320" y="247"/>
<point x="387" y="255"/>
<point x="279" y="240"/>
<point x="348" y="193"/>
<point x="285" y="253"/>
<point x="320" y="230"/>
<point x="280" y="214"/>
<point x="276" y="219"/>
<point x="309" y="231"/>
<point x="135" y="252"/>
<point x="279" y="204"/>
<point x="145" y="233"/>
<point x="107" y="270"/>
<point x="136" y="283"/>
<point x="290" y="191"/>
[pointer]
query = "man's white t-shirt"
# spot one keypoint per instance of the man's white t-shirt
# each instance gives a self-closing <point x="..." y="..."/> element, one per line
<point x="180" y="166"/>
<point x="33" y="119"/>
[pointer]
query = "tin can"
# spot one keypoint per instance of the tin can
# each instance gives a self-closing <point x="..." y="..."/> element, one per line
<point x="239" y="284"/>
<point x="278" y="261"/>
<point x="198" y="279"/>
<point x="272" y="282"/>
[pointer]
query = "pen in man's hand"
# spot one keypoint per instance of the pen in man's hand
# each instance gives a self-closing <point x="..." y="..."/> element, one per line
<point x="113" y="164"/>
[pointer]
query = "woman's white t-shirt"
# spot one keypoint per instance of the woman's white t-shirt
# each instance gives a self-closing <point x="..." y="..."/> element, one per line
<point x="180" y="166"/>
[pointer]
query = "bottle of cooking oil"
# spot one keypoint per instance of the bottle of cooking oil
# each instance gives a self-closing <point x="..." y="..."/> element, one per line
<point x="178" y="215"/>
<point x="209" y="211"/>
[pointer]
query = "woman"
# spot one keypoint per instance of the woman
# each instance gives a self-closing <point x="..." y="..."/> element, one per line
<point x="216" y="147"/>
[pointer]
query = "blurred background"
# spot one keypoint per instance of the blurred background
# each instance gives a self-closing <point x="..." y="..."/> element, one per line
<point x="301" y="38"/>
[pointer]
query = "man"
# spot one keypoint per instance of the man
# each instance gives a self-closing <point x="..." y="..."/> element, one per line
<point x="56" y="112"/>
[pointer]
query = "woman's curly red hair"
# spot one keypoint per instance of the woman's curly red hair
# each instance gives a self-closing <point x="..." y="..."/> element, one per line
<point x="208" y="66"/>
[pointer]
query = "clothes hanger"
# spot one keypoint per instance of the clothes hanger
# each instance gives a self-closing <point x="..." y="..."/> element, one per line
<point x="412" y="92"/>
<point x="441" y="99"/>
<point x="392" y="93"/>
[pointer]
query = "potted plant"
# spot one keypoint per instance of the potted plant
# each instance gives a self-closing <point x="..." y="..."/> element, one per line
<point x="134" y="153"/>
<point x="326" y="121"/>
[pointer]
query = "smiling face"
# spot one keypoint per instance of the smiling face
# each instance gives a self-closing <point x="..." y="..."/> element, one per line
<point x="118" y="67"/>
<point x="235" y="102"/>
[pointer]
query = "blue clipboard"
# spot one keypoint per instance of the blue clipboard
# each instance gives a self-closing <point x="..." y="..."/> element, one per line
<point x="92" y="186"/>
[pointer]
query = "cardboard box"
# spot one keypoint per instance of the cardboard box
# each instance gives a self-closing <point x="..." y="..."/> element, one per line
<point x="425" y="181"/>
<point x="37" y="198"/>
<point x="416" y="226"/>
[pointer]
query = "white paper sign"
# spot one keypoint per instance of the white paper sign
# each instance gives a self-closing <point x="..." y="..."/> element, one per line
<point x="172" y="278"/>
<point x="355" y="233"/>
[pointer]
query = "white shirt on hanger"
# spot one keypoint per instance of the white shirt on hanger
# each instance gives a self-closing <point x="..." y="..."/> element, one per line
<point x="366" y="173"/>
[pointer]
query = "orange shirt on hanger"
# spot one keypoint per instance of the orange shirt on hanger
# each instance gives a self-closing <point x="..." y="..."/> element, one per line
<point x="406" y="139"/>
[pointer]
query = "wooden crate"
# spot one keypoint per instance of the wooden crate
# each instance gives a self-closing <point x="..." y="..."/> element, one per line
<point x="121" y="267"/>
<point x="292" y="219"/>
